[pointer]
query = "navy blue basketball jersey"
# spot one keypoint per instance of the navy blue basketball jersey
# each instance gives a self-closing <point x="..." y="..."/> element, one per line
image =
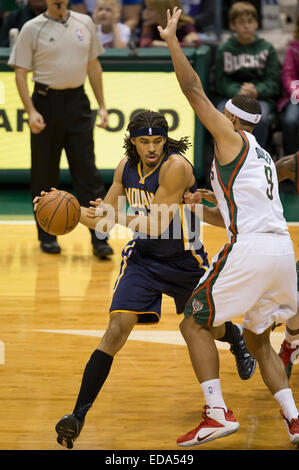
<point x="183" y="232"/>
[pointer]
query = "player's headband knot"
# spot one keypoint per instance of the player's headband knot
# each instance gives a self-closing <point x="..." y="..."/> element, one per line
<point x="148" y="131"/>
<point x="254" y="118"/>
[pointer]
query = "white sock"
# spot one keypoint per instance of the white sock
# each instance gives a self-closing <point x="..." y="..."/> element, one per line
<point x="286" y="401"/>
<point x="213" y="394"/>
<point x="292" y="339"/>
<point x="293" y="324"/>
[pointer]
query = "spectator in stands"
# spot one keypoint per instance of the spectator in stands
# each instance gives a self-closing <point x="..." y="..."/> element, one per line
<point x="16" y="19"/>
<point x="7" y="6"/>
<point x="130" y="12"/>
<point x="111" y="32"/>
<point x="155" y="14"/>
<point x="247" y="64"/>
<point x="226" y="5"/>
<point x="289" y="101"/>
<point x="202" y="12"/>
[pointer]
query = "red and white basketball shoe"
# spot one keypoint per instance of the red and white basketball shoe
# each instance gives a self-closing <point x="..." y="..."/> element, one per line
<point x="216" y="423"/>
<point x="289" y="356"/>
<point x="292" y="428"/>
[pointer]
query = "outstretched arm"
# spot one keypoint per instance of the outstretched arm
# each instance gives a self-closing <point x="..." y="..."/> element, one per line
<point x="174" y="176"/>
<point x="210" y="215"/>
<point x="286" y="168"/>
<point x="217" y="124"/>
<point x="113" y="203"/>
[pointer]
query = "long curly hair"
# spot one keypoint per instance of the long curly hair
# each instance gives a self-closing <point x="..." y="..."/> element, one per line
<point x="151" y="119"/>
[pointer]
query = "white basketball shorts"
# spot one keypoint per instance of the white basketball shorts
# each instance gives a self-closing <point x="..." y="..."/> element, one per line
<point x="255" y="277"/>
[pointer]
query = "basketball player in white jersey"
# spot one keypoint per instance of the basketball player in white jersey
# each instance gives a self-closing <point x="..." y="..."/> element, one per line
<point x="255" y="271"/>
<point x="286" y="168"/>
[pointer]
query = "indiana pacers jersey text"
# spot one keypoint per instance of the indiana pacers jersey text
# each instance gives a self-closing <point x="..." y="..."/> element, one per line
<point x="183" y="232"/>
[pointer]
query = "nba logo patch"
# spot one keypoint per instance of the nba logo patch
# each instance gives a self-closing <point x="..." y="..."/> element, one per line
<point x="150" y="131"/>
<point x="80" y="34"/>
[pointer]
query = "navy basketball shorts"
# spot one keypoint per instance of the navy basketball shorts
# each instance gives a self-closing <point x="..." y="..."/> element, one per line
<point x="142" y="280"/>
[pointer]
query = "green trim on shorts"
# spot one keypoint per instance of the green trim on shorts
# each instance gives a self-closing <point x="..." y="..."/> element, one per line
<point x="201" y="304"/>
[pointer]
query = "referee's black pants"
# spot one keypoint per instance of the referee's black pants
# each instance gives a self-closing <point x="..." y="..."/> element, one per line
<point x="68" y="119"/>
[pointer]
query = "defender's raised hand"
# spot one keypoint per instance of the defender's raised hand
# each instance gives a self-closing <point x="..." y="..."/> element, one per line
<point x="172" y="21"/>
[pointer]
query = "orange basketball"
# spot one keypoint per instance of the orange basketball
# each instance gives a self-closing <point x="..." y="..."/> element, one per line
<point x="58" y="212"/>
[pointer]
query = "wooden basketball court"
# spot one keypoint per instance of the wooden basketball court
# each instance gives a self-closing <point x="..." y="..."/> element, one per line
<point x="53" y="310"/>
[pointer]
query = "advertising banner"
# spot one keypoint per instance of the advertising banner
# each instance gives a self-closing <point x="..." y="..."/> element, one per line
<point x="125" y="94"/>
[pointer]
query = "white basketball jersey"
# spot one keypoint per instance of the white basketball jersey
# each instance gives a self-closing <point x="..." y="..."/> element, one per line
<point x="247" y="191"/>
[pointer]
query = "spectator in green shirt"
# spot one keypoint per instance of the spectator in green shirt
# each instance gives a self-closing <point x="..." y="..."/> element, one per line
<point x="247" y="64"/>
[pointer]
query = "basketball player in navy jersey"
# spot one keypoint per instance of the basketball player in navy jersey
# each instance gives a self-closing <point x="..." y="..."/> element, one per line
<point x="154" y="171"/>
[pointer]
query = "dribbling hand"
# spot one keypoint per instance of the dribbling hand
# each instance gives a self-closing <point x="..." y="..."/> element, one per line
<point x="37" y="199"/>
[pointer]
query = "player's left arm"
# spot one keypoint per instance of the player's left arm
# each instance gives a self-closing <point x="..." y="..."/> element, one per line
<point x="212" y="216"/>
<point x="219" y="126"/>
<point x="286" y="168"/>
<point x="174" y="175"/>
<point x="209" y="214"/>
<point x="114" y="202"/>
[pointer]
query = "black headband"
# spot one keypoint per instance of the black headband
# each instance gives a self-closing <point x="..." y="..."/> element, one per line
<point x="148" y="131"/>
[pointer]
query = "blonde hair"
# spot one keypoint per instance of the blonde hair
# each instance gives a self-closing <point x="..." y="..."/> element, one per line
<point x="241" y="8"/>
<point x="161" y="7"/>
<point x="113" y="3"/>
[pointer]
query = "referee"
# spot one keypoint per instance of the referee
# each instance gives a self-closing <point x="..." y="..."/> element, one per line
<point x="61" y="48"/>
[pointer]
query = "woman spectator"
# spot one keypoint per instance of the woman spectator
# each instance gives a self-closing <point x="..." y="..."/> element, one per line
<point x="289" y="102"/>
<point x="155" y="14"/>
